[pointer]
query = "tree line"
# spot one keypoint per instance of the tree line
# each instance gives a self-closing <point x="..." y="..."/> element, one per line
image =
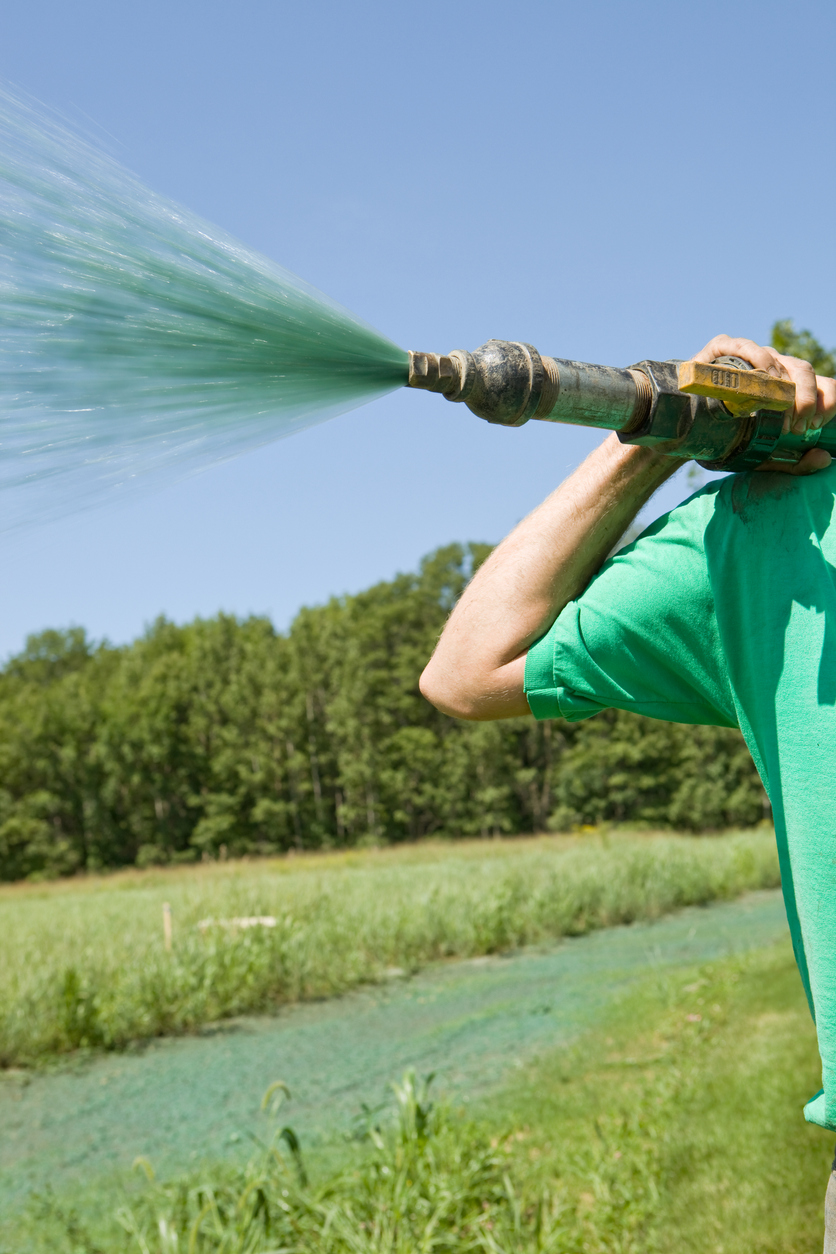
<point x="224" y="737"/>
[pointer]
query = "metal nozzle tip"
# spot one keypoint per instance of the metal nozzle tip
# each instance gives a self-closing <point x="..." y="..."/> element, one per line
<point x="434" y="373"/>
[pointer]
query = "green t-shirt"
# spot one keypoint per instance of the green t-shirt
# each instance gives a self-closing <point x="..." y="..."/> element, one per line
<point x="724" y="612"/>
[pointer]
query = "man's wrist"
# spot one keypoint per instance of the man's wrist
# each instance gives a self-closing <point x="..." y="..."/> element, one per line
<point x="642" y="459"/>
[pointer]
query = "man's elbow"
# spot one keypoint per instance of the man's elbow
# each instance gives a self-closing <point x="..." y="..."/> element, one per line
<point x="451" y="696"/>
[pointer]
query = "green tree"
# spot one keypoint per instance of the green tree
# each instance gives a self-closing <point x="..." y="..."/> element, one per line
<point x="803" y="344"/>
<point x="50" y="780"/>
<point x="626" y="767"/>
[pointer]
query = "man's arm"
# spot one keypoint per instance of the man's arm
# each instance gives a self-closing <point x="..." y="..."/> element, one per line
<point x="478" y="667"/>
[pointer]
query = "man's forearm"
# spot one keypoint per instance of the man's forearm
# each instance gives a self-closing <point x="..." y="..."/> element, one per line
<point x="478" y="667"/>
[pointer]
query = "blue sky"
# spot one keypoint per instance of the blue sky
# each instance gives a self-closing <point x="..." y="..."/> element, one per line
<point x="609" y="181"/>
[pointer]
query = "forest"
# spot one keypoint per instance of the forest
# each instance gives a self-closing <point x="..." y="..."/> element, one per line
<point x="224" y="737"/>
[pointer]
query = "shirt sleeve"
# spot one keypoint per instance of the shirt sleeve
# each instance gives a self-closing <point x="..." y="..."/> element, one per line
<point x="643" y="636"/>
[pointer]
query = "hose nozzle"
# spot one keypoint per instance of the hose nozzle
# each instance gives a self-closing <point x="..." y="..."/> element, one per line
<point x="503" y="381"/>
<point x="508" y="382"/>
<point x="434" y="373"/>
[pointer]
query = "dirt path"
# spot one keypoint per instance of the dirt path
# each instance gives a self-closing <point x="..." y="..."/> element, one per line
<point x="177" y="1101"/>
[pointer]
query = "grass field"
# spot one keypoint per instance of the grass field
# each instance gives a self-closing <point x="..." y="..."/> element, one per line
<point x="83" y="963"/>
<point x="675" y="1128"/>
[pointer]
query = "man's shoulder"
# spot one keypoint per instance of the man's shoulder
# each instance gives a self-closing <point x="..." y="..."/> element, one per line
<point x="765" y="499"/>
<point x="685" y="523"/>
<point x="753" y="503"/>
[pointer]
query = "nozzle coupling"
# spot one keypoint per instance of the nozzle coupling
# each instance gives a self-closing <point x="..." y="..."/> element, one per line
<point x="503" y="381"/>
<point x="508" y="382"/>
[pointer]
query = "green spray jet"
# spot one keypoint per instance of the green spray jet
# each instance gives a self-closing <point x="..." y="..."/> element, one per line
<point x="137" y="339"/>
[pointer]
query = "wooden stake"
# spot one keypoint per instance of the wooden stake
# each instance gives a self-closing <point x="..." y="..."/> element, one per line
<point x="167" y="925"/>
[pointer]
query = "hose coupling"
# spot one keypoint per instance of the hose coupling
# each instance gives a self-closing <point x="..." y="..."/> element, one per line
<point x="503" y="381"/>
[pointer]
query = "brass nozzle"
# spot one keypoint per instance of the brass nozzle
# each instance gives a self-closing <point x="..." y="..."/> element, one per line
<point x="434" y="373"/>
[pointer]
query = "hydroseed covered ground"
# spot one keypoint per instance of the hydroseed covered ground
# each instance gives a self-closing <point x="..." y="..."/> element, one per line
<point x="673" y="1126"/>
<point x="471" y="1023"/>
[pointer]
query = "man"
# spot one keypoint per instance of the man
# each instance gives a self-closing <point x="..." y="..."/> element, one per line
<point x="723" y="612"/>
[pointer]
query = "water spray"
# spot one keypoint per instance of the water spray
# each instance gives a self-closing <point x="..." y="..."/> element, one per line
<point x="725" y="415"/>
<point x="139" y="342"/>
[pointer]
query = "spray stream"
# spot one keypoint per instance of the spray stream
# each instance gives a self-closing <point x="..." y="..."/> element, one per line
<point x="136" y="338"/>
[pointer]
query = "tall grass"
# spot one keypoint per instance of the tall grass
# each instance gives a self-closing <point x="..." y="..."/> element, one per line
<point x="84" y="966"/>
<point x="429" y="1181"/>
<point x="433" y="1182"/>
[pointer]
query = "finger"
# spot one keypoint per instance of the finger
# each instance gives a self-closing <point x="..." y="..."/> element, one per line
<point x="805" y="414"/>
<point x="826" y="402"/>
<point x="816" y="459"/>
<point x="757" y="355"/>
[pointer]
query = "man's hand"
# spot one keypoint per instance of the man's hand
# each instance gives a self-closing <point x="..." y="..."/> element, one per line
<point x="815" y="396"/>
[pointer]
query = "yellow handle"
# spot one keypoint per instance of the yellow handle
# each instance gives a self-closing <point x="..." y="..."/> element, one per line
<point x="742" y="391"/>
